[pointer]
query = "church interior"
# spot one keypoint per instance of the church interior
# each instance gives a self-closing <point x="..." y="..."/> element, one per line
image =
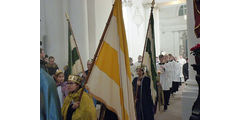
<point x="174" y="25"/>
<point x="115" y="59"/>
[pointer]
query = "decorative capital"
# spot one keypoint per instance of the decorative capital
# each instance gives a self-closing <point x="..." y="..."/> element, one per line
<point x="67" y="16"/>
<point x="147" y="5"/>
<point x="153" y="3"/>
<point x="127" y="3"/>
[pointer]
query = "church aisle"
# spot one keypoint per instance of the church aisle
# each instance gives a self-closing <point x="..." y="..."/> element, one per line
<point x="174" y="111"/>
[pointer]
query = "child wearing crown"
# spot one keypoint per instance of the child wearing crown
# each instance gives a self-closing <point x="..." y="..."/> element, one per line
<point x="72" y="108"/>
<point x="59" y="78"/>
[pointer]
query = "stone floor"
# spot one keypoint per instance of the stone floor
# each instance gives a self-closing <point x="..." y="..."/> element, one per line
<point x="174" y="111"/>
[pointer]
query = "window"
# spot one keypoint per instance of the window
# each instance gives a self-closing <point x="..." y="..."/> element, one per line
<point x="182" y="10"/>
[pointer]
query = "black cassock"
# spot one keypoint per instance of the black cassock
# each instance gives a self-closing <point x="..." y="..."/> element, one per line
<point x="144" y="103"/>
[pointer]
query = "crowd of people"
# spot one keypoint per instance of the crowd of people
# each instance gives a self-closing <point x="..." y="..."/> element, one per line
<point x="171" y="75"/>
<point x="171" y="71"/>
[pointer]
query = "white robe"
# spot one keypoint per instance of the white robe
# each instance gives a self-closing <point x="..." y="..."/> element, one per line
<point x="163" y="77"/>
<point x="137" y="64"/>
<point x="170" y="72"/>
<point x="177" y="70"/>
<point x="60" y="95"/>
<point x="182" y="62"/>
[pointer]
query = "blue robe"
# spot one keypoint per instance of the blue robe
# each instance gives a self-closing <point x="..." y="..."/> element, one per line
<point x="50" y="108"/>
<point x="144" y="105"/>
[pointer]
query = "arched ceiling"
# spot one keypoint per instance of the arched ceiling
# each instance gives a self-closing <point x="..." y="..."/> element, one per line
<point x="157" y="2"/>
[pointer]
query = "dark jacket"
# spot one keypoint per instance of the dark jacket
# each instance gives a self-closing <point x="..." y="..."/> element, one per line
<point x="144" y="104"/>
<point x="52" y="68"/>
<point x="185" y="71"/>
<point x="43" y="65"/>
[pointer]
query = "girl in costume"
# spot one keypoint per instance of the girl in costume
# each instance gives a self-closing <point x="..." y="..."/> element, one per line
<point x="61" y="86"/>
<point x="142" y="96"/>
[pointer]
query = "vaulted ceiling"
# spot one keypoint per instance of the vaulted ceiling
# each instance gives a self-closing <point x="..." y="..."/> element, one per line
<point x="158" y="2"/>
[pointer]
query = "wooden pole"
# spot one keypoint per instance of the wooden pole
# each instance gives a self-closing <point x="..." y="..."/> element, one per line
<point x="97" y="51"/>
<point x="68" y="20"/>
<point x="153" y="2"/>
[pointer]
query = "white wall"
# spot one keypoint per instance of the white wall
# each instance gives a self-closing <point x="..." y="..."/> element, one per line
<point x="156" y="12"/>
<point x="88" y="19"/>
<point x="136" y="16"/>
<point x="79" y="20"/>
<point x="102" y="12"/>
<point x="52" y="26"/>
<point x="190" y="92"/>
<point x="91" y="27"/>
<point x="171" y="26"/>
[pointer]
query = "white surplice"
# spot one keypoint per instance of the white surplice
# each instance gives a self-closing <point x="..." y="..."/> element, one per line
<point x="164" y="80"/>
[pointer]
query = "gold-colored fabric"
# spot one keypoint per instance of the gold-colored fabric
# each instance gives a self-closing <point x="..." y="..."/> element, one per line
<point x="160" y="93"/>
<point x="74" y="78"/>
<point x="86" y="110"/>
<point x="58" y="72"/>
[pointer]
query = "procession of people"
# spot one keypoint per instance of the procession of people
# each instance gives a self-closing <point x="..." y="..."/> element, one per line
<point x="68" y="90"/>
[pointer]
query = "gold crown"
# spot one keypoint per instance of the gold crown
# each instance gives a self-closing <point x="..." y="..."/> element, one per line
<point x="58" y="72"/>
<point x="74" y="78"/>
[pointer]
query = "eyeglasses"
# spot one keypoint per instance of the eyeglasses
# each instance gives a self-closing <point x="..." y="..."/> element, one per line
<point x="71" y="83"/>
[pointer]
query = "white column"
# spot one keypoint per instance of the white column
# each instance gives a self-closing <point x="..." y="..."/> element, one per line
<point x="91" y="27"/>
<point x="162" y="41"/>
<point x="176" y="44"/>
<point x="135" y="25"/>
<point x="190" y="92"/>
<point x="130" y="26"/>
<point x="147" y="11"/>
<point x="79" y="20"/>
<point x="169" y="42"/>
<point x="156" y="30"/>
<point x="102" y="12"/>
<point x="42" y="22"/>
<point x="142" y="11"/>
<point x="53" y="30"/>
<point x="160" y="36"/>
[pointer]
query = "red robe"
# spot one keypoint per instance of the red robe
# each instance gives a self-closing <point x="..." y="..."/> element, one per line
<point x="196" y="4"/>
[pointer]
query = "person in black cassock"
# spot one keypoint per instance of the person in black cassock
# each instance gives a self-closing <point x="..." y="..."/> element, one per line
<point x="106" y="114"/>
<point x="142" y="96"/>
<point x="185" y="70"/>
